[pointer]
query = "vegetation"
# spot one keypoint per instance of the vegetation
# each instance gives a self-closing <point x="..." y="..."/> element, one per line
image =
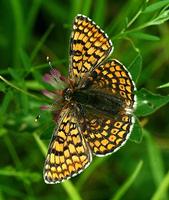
<point x="32" y="30"/>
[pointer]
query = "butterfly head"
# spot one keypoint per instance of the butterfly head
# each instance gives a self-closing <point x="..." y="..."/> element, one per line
<point x="67" y="94"/>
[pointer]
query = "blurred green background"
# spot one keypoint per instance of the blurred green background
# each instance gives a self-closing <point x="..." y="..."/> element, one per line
<point x="31" y="30"/>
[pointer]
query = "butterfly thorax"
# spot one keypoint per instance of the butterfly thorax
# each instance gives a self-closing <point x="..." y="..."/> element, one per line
<point x="93" y="99"/>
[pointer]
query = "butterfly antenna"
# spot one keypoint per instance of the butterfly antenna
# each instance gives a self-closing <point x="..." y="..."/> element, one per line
<point x="37" y="118"/>
<point x="49" y="62"/>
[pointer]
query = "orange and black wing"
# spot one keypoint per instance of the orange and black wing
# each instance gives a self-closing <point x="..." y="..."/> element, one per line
<point x="106" y="133"/>
<point x="68" y="153"/>
<point x="89" y="46"/>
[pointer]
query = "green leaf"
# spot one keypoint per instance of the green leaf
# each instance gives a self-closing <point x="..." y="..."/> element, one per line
<point x="136" y="135"/>
<point x="156" y="6"/>
<point x="15" y="73"/>
<point x="123" y="189"/>
<point x="148" y="102"/>
<point x="135" y="67"/>
<point x="37" y="76"/>
<point x="144" y="36"/>
<point x="163" y="17"/>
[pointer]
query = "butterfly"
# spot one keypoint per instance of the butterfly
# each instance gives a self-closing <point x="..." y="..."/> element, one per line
<point x="96" y="115"/>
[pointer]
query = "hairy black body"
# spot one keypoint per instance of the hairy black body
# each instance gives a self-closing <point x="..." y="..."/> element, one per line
<point x="92" y="99"/>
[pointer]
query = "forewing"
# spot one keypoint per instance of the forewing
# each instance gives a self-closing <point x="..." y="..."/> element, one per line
<point x="107" y="133"/>
<point x="89" y="46"/>
<point x="68" y="152"/>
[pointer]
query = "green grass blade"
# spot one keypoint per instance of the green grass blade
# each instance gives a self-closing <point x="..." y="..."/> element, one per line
<point x="136" y="66"/>
<point x="99" y="10"/>
<point x="2" y="87"/>
<point x="162" y="188"/>
<point x="11" y="191"/>
<point x="35" y="6"/>
<point x="19" y="89"/>
<point x="71" y="190"/>
<point x="19" y="28"/>
<point x="4" y="105"/>
<point x="88" y="172"/>
<point x="12" y="151"/>
<point x="55" y="9"/>
<point x="86" y="7"/>
<point x="121" y="192"/>
<point x="31" y="176"/>
<point x="1" y="195"/>
<point x="156" y="161"/>
<point x="76" y="7"/>
<point x="164" y="85"/>
<point x="41" y="145"/>
<point x="25" y="60"/>
<point x="41" y="42"/>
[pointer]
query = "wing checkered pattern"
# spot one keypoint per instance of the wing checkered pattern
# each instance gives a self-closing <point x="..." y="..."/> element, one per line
<point x="68" y="153"/>
<point x="89" y="46"/>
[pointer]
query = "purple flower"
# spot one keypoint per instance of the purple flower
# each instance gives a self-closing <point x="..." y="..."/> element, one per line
<point x="58" y="83"/>
<point x="55" y="79"/>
